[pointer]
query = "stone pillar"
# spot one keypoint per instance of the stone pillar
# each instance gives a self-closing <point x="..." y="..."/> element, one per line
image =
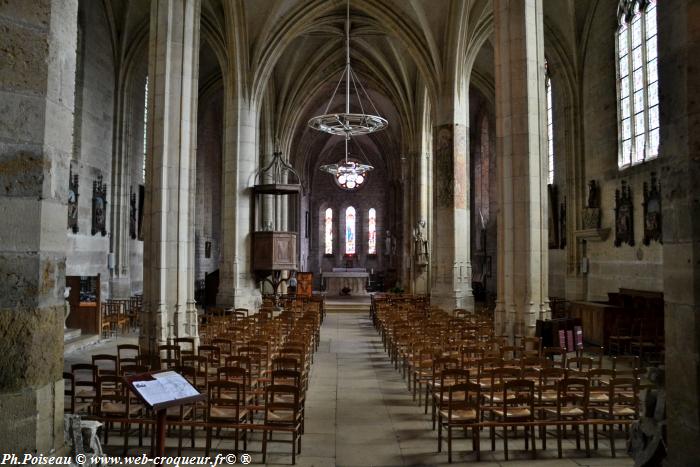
<point x="120" y="281"/>
<point x="236" y="282"/>
<point x="169" y="309"/>
<point x="679" y="89"/>
<point x="521" y="167"/>
<point x="37" y="86"/>
<point x="451" y="256"/>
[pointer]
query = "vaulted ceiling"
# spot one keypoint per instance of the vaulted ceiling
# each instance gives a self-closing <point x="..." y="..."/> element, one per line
<point x="287" y="56"/>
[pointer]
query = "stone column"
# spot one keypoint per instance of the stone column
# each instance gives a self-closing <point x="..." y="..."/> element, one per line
<point x="679" y="89"/>
<point x="451" y="262"/>
<point x="120" y="282"/>
<point x="236" y="284"/>
<point x="521" y="167"/>
<point x="169" y="309"/>
<point x="37" y="86"/>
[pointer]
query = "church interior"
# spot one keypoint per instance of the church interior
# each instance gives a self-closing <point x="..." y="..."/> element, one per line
<point x="351" y="232"/>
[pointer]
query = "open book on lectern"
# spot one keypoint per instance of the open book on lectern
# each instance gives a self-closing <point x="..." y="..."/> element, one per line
<point x="164" y="389"/>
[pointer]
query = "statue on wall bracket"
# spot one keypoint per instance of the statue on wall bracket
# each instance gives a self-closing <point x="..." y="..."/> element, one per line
<point x="73" y="196"/>
<point x="99" y="207"/>
<point x="420" y="243"/>
<point x="624" y="220"/>
<point x="553" y="216"/>
<point x="132" y="215"/>
<point x="591" y="212"/>
<point x="652" y="211"/>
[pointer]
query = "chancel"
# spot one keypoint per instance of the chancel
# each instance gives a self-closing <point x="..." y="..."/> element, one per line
<point x="351" y="232"/>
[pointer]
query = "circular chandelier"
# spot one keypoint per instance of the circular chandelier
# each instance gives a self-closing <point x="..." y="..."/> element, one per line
<point x="347" y="123"/>
<point x="348" y="174"/>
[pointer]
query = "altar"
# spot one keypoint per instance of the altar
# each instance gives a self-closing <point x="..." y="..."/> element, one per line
<point x="354" y="279"/>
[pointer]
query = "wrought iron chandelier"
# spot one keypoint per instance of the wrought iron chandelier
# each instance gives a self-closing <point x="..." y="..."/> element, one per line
<point x="348" y="124"/>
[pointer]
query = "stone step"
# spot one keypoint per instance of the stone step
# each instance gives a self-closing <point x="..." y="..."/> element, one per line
<point x="70" y="334"/>
<point x="347" y="308"/>
<point x="79" y="342"/>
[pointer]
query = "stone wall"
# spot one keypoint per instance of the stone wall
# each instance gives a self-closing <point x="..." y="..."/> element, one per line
<point x="638" y="266"/>
<point x="94" y="114"/>
<point x="324" y="194"/>
<point x="208" y="197"/>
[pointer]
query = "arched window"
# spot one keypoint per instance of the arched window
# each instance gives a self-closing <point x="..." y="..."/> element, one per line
<point x="350" y="231"/>
<point x="145" y="131"/>
<point x="329" y="231"/>
<point x="550" y="125"/>
<point x="372" y="232"/>
<point x="638" y="82"/>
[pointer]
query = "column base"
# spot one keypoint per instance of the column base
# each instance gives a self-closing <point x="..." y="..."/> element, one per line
<point x="452" y="299"/>
<point x="33" y="420"/>
<point x="248" y="297"/>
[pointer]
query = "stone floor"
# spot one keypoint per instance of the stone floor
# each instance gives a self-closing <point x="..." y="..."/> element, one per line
<point x="360" y="413"/>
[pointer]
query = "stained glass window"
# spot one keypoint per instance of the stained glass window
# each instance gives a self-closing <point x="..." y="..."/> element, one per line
<point x="550" y="125"/>
<point x="350" y="231"/>
<point x="329" y="231"/>
<point x="145" y="131"/>
<point x="372" y="232"/>
<point x="638" y="88"/>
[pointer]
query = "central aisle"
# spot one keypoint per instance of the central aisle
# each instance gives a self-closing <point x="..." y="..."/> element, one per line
<point x="356" y="401"/>
<point x="359" y="412"/>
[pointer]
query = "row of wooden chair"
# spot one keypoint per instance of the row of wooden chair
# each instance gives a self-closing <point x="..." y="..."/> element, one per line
<point x="477" y="380"/>
<point x="254" y="371"/>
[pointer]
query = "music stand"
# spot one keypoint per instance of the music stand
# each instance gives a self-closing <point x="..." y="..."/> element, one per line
<point x="161" y="390"/>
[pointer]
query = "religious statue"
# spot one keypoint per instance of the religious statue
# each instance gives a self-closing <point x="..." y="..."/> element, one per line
<point x="132" y="216"/>
<point x="73" y="196"/>
<point x="66" y="306"/>
<point x="592" y="195"/>
<point x="591" y="212"/>
<point x="420" y="243"/>
<point x="652" y="211"/>
<point x="387" y="243"/>
<point x="99" y="207"/>
<point x="624" y="225"/>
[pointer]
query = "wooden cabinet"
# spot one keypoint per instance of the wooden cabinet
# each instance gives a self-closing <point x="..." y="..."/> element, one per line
<point x="597" y="320"/>
<point x="85" y="304"/>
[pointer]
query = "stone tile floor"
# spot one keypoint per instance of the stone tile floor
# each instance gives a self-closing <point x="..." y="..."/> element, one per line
<point x="359" y="413"/>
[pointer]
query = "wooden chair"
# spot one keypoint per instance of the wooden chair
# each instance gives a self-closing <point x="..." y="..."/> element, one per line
<point x="448" y="376"/>
<point x="551" y="353"/>
<point x="571" y="406"/>
<point x="70" y="404"/>
<point x="85" y="383"/>
<point x="186" y="345"/>
<point x="517" y="405"/>
<point x="226" y="404"/>
<point x="620" y="406"/>
<point x="128" y="354"/>
<point x="283" y="410"/>
<point x="432" y="387"/>
<point x="108" y="364"/>
<point x="462" y="409"/>
<point x="531" y="344"/>
<point x="620" y="337"/>
<point x="579" y="365"/>
<point x="114" y="401"/>
<point x="201" y="365"/>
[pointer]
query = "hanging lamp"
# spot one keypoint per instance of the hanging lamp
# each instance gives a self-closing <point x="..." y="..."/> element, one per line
<point x="346" y="123"/>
